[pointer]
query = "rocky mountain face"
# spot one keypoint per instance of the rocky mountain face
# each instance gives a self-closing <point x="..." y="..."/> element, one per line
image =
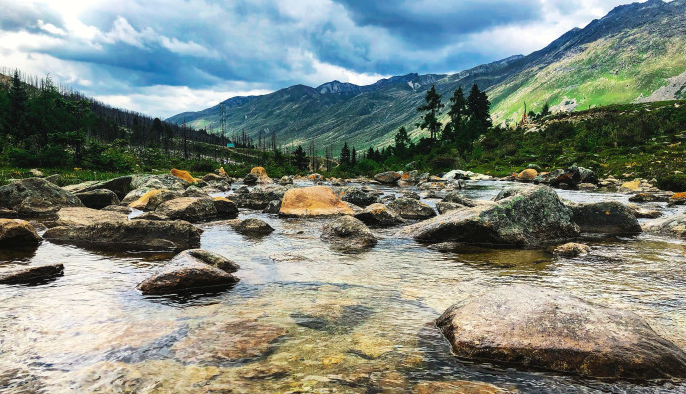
<point x="637" y="52"/>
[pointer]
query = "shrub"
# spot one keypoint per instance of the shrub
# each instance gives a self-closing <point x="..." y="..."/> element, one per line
<point x="675" y="183"/>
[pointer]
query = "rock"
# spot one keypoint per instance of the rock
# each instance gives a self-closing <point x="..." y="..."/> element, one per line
<point x="642" y="213"/>
<point x="98" y="198"/>
<point x="546" y="329"/>
<point x="252" y="227"/>
<point x="349" y="234"/>
<point x="379" y="215"/>
<point x="56" y="179"/>
<point x="412" y="195"/>
<point x="527" y="216"/>
<point x="191" y="209"/>
<point x="150" y="216"/>
<point x="444" y="207"/>
<point x="588" y="187"/>
<point x="226" y="209"/>
<point x="572" y="177"/>
<point x="120" y="186"/>
<point x="214" y="177"/>
<point x="213" y="259"/>
<point x="410" y="177"/>
<point x="633" y="186"/>
<point x="409" y="208"/>
<point x="133" y="234"/>
<point x="527" y="175"/>
<point x="313" y="201"/>
<point x="316" y="177"/>
<point x="605" y="217"/>
<point x="186" y="272"/>
<point x="286" y="180"/>
<point x="31" y="274"/>
<point x="118" y="208"/>
<point x="220" y="171"/>
<point x="154" y="198"/>
<point x="36" y="197"/>
<point x="357" y="196"/>
<point x="36" y="172"/>
<point x="458" y="387"/>
<point x="674" y="226"/>
<point x="194" y="191"/>
<point x="572" y="249"/>
<point x="165" y="181"/>
<point x="79" y="216"/>
<point x="649" y="197"/>
<point x="274" y="207"/>
<point x="183" y="175"/>
<point x="677" y="199"/>
<point x="259" y="198"/>
<point x="388" y="177"/>
<point x="15" y="232"/>
<point x="459" y="198"/>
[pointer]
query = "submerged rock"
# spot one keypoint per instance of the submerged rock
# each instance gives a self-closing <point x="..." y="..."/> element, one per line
<point x="78" y="216"/>
<point x="30" y="274"/>
<point x="191" y="209"/>
<point x="349" y="234"/>
<point x="213" y="259"/>
<point x="188" y="271"/>
<point x="605" y="217"/>
<point x="98" y="198"/>
<point x="133" y="234"/>
<point x="313" y="201"/>
<point x="379" y="215"/>
<point x="522" y="216"/>
<point x="15" y="232"/>
<point x="546" y="329"/>
<point x="36" y="197"/>
<point x="572" y="249"/>
<point x="643" y="213"/>
<point x="409" y="208"/>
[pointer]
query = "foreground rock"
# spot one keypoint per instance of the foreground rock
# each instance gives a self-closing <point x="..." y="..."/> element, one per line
<point x="15" y="232"/>
<point x="36" y="197"/>
<point x="545" y="329"/>
<point x="388" y="177"/>
<point x="606" y="217"/>
<point x="379" y="215"/>
<point x="674" y="226"/>
<point x="409" y="208"/>
<point x="572" y="250"/>
<point x="79" y="216"/>
<point x="191" y="209"/>
<point x="98" y="198"/>
<point x="522" y="217"/>
<point x="349" y="234"/>
<point x="31" y="274"/>
<point x="134" y="234"/>
<point x="189" y="271"/>
<point x="313" y="201"/>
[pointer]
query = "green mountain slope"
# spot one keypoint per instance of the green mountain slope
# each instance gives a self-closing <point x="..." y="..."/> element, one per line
<point x="637" y="52"/>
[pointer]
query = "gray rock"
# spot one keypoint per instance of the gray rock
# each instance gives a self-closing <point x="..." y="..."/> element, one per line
<point x="252" y="227"/>
<point x="605" y="217"/>
<point x="213" y="259"/>
<point x="348" y="234"/>
<point x="357" y="196"/>
<point x="388" y="177"/>
<point x="379" y="215"/>
<point x="98" y="198"/>
<point x="674" y="226"/>
<point x="536" y="328"/>
<point x="36" y="197"/>
<point x="273" y="207"/>
<point x="194" y="191"/>
<point x="151" y="216"/>
<point x="409" y="208"/>
<point x="133" y="234"/>
<point x="31" y="274"/>
<point x="226" y="209"/>
<point x="525" y="216"/>
<point x="445" y="207"/>
<point x="120" y="186"/>
<point x="459" y="198"/>
<point x="648" y="197"/>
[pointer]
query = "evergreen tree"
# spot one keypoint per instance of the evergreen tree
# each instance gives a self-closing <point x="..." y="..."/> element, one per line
<point x="353" y="157"/>
<point x="402" y="142"/>
<point x="345" y="155"/>
<point x="478" y="107"/>
<point x="457" y="112"/>
<point x="18" y="100"/>
<point x="546" y="110"/>
<point x="300" y="160"/>
<point x="370" y="153"/>
<point x="431" y="110"/>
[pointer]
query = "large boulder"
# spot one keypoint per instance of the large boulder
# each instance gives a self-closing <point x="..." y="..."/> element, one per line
<point x="98" y="198"/>
<point x="120" y="186"/>
<point x="226" y="209"/>
<point x="154" y="198"/>
<point x="674" y="226"/>
<point x="259" y="175"/>
<point x="15" y="232"/>
<point x="313" y="201"/>
<point x="79" y="216"/>
<point x="191" y="209"/>
<point x="356" y="195"/>
<point x="134" y="234"/>
<point x="349" y="234"/>
<point x="31" y="273"/>
<point x="409" y="208"/>
<point x="259" y="197"/>
<point x="388" y="177"/>
<point x="379" y="215"/>
<point x="527" y="216"/>
<point x="538" y="328"/>
<point x="572" y="177"/>
<point x="605" y="217"/>
<point x="186" y="272"/>
<point x="36" y="197"/>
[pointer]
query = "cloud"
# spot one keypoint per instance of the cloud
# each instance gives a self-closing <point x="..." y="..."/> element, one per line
<point x="126" y="50"/>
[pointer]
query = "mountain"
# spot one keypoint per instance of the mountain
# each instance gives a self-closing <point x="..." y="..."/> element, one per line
<point x="637" y="52"/>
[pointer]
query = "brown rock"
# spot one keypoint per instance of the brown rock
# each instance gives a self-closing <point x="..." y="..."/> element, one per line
<point x="379" y="215"/>
<point x="349" y="234"/>
<point x="226" y="209"/>
<point x="191" y="209"/>
<point x="458" y="386"/>
<point x="31" y="273"/>
<point x="15" y="232"/>
<point x="388" y="177"/>
<point x="77" y="216"/>
<point x="184" y="175"/>
<point x="527" y="175"/>
<point x="313" y="201"/>
<point x="572" y="249"/>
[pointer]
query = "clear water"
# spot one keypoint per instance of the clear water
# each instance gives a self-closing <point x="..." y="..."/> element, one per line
<point x="305" y="318"/>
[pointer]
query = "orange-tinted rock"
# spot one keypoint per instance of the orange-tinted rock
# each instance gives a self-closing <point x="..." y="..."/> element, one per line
<point x="527" y="175"/>
<point x="185" y="175"/>
<point x="17" y="232"/>
<point x="678" y="199"/>
<point x="313" y="201"/>
<point x="259" y="172"/>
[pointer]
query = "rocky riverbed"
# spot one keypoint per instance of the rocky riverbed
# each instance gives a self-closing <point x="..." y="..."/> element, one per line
<point x="277" y="292"/>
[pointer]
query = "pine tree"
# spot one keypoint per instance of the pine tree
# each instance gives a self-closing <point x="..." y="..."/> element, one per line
<point x="402" y="142"/>
<point x="300" y="160"/>
<point x="345" y="155"/>
<point x="353" y="157"/>
<point x="370" y="153"/>
<point x="457" y="112"/>
<point x="478" y="107"/>
<point x="432" y="109"/>
<point x="18" y="99"/>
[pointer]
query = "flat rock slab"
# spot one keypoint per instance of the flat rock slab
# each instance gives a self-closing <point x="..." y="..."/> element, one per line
<point x="31" y="274"/>
<point x="313" y="201"/>
<point x="537" y="328"/>
<point x="78" y="216"/>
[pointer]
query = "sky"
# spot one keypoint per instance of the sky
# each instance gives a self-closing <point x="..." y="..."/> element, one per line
<point x="163" y="57"/>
